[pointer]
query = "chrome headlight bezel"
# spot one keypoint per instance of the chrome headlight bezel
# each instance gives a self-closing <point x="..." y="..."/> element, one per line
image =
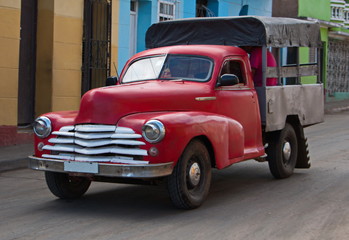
<point x="46" y="127"/>
<point x="154" y="128"/>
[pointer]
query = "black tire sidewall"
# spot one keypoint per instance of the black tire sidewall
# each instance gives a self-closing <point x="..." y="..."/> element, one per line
<point x="275" y="154"/>
<point x="180" y="194"/>
<point x="66" y="187"/>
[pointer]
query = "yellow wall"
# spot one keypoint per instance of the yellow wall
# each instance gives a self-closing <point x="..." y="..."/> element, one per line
<point x="59" y="55"/>
<point x="10" y="15"/>
<point x="114" y="36"/>
<point x="67" y="54"/>
<point x="44" y="49"/>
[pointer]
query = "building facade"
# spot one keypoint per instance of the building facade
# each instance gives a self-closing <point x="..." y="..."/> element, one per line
<point x="333" y="16"/>
<point x="53" y="51"/>
<point x="136" y="16"/>
<point x="10" y="17"/>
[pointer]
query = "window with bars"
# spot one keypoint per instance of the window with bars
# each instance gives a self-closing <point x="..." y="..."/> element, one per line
<point x="166" y="11"/>
<point x="346" y="15"/>
<point x="337" y="13"/>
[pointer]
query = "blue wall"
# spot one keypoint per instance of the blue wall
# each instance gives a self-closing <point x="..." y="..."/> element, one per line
<point x="188" y="8"/>
<point x="148" y="10"/>
<point x="124" y="33"/>
<point x="223" y="8"/>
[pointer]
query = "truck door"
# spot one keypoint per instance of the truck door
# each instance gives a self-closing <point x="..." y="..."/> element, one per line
<point x="240" y="103"/>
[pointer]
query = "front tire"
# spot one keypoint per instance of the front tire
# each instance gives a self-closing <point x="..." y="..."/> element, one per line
<point x="189" y="183"/>
<point x="66" y="187"/>
<point x="282" y="152"/>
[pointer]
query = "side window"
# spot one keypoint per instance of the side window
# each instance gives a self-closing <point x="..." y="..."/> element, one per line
<point x="234" y="67"/>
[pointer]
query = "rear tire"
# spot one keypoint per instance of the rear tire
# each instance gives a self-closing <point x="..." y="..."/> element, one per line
<point x="66" y="187"/>
<point x="282" y="152"/>
<point x="189" y="183"/>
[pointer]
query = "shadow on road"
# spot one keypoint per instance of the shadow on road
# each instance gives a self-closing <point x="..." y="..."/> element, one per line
<point x="239" y="184"/>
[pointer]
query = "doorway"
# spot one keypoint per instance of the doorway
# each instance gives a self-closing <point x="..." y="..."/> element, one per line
<point x="96" y="44"/>
<point x="133" y="27"/>
<point x="27" y="63"/>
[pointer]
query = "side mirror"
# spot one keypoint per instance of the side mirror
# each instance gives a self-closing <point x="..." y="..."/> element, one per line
<point x="111" y="80"/>
<point x="228" y="80"/>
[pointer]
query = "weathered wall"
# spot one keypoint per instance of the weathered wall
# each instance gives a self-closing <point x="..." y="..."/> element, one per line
<point x="10" y="15"/>
<point x="44" y="50"/>
<point x="285" y="8"/>
<point x="114" y="37"/>
<point x="67" y="54"/>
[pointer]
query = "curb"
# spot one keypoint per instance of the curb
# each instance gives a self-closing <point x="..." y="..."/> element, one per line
<point x="15" y="156"/>
<point x="13" y="164"/>
<point x="336" y="110"/>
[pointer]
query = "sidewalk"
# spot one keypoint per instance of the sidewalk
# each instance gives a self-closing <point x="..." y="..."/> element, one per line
<point x="15" y="156"/>
<point x="336" y="106"/>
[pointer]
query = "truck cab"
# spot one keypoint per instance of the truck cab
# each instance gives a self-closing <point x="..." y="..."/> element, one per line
<point x="177" y="111"/>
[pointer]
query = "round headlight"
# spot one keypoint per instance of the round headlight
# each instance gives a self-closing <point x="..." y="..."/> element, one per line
<point x="153" y="131"/>
<point x="42" y="127"/>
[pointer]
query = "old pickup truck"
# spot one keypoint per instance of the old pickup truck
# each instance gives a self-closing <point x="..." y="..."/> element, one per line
<point x="186" y="105"/>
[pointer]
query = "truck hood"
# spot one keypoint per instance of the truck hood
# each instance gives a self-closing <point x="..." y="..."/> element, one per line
<point x="107" y="105"/>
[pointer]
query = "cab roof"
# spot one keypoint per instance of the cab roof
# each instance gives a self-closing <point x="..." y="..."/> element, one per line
<point x="212" y="51"/>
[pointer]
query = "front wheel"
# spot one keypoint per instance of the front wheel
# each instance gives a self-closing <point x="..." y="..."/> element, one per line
<point x="282" y="152"/>
<point x="66" y="187"/>
<point x="189" y="183"/>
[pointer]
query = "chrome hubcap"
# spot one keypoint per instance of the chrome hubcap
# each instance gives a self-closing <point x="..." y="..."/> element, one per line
<point x="194" y="174"/>
<point x="286" y="150"/>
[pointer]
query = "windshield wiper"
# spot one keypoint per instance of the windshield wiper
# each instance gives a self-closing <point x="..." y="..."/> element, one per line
<point x="172" y="79"/>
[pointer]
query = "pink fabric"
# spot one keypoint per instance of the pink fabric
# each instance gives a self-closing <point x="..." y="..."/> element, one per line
<point x="256" y="63"/>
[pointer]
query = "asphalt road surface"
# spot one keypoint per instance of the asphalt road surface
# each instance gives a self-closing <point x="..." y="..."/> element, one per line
<point x="245" y="202"/>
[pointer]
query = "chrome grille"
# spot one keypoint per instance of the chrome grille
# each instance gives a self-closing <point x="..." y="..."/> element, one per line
<point x="102" y="143"/>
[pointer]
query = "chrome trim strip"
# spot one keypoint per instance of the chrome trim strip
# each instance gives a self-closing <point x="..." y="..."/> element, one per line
<point x="123" y="135"/>
<point x="92" y="135"/>
<point x="64" y="134"/>
<point x="205" y="98"/>
<point x="95" y="128"/>
<point x="61" y="140"/>
<point x="96" y="135"/>
<point x="96" y="143"/>
<point x="105" y="159"/>
<point x="92" y="151"/>
<point x="108" y="170"/>
<point x="66" y="128"/>
<point x="124" y="130"/>
<point x="232" y="88"/>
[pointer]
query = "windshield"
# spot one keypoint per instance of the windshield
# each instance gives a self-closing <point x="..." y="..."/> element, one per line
<point x="169" y="67"/>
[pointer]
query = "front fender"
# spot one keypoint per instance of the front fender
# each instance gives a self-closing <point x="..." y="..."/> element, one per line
<point x="226" y="135"/>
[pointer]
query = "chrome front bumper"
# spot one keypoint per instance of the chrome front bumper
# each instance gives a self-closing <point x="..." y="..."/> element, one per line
<point x="102" y="169"/>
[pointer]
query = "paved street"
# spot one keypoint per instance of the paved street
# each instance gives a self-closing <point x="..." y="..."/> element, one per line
<point x="245" y="202"/>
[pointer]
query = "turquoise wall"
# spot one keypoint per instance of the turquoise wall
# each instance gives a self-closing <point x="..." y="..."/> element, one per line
<point x="148" y="10"/>
<point x="124" y="33"/>
<point x="223" y="8"/>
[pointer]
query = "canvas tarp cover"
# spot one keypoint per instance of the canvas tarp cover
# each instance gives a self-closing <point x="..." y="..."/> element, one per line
<point x="235" y="31"/>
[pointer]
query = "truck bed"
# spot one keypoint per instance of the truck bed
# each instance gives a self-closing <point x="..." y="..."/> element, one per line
<point x="277" y="102"/>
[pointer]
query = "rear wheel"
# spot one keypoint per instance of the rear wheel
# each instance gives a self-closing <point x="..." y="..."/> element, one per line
<point x="189" y="183"/>
<point x="282" y="152"/>
<point x="66" y="187"/>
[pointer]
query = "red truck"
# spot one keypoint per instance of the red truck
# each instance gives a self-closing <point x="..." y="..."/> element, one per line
<point x="184" y="106"/>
